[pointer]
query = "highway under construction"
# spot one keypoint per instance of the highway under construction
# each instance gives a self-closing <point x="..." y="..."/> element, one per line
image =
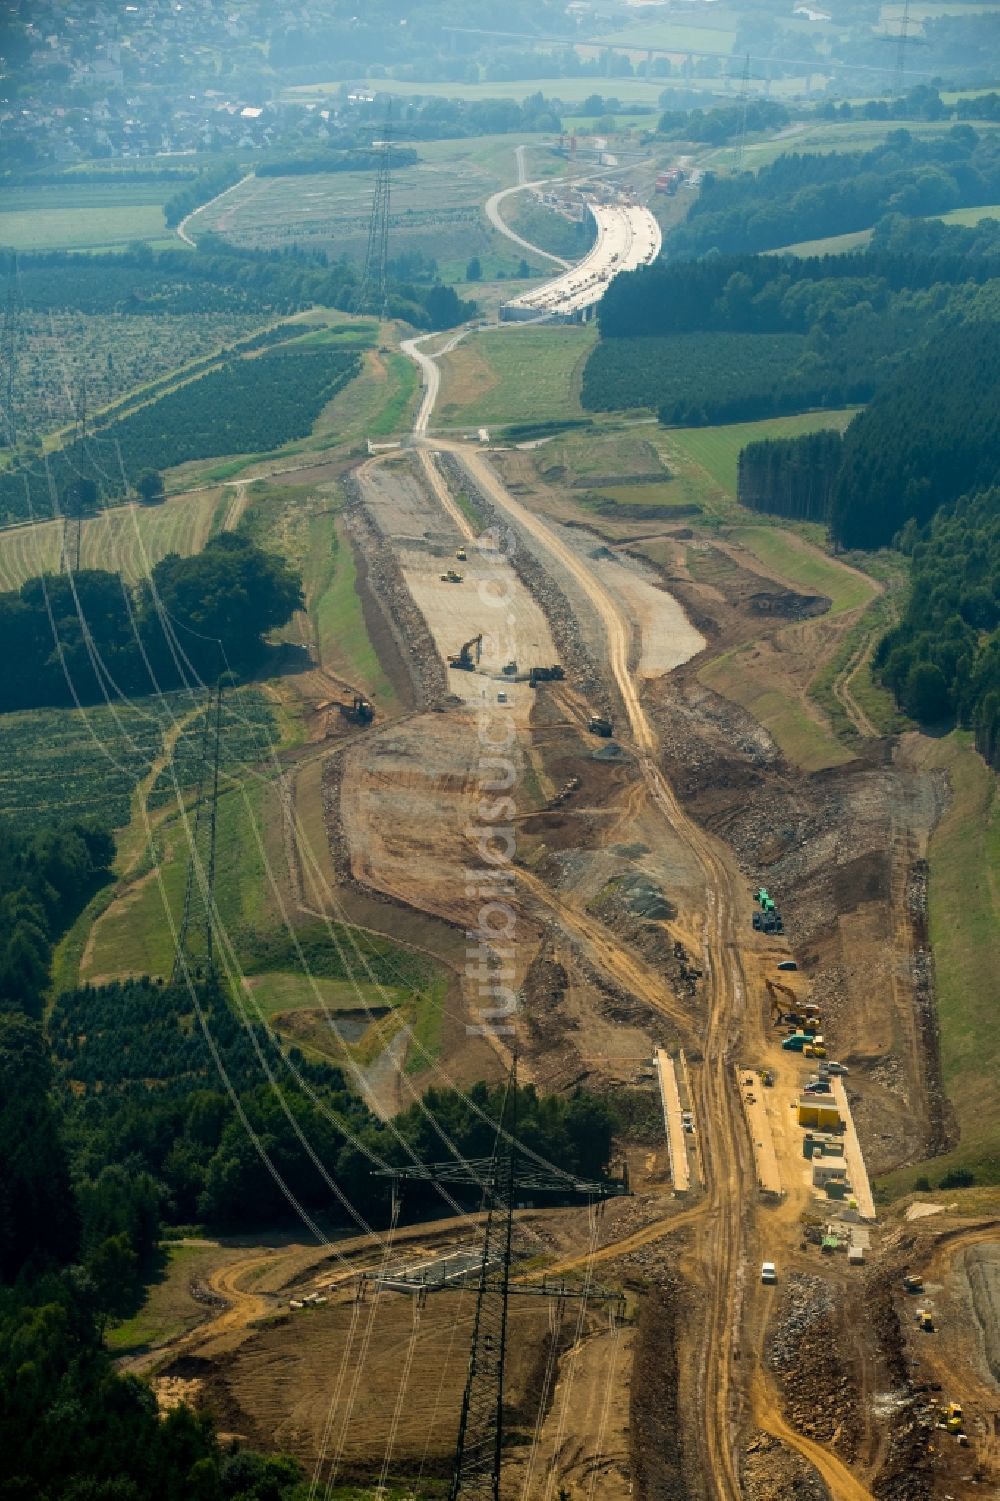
<point x="559" y="810"/>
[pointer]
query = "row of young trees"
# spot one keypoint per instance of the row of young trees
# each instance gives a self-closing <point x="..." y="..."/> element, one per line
<point x="65" y="638"/>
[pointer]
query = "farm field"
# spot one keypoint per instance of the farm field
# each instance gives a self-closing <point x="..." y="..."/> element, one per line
<point x="717" y="34"/>
<point x="119" y="352"/>
<point x="64" y="763"/>
<point x="87" y="216"/>
<point x="127" y="539"/>
<point x="436" y="204"/>
<point x="717" y="449"/>
<point x="569" y="90"/>
<point x="826" y="135"/>
<point x="970" y="217"/>
<point x="964" y="912"/>
<point x="514" y="375"/>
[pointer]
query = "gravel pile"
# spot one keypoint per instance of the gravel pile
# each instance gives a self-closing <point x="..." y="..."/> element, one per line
<point x="822" y="1396"/>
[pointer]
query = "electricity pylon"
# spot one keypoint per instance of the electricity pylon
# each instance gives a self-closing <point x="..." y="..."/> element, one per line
<point x="195" y="949"/>
<point x="503" y="1177"/>
<point x="744" y="105"/>
<point x="374" y="294"/>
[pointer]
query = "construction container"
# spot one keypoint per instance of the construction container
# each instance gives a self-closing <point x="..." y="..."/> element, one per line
<point x="819" y="1112"/>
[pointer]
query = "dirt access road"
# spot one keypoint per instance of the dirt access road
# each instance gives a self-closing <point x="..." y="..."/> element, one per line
<point x="721" y="1228"/>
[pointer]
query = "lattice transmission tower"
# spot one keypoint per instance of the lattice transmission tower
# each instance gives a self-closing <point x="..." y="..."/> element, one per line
<point x="744" y="106"/>
<point x="504" y="1177"/>
<point x="195" y="952"/>
<point x="903" y="41"/>
<point x="374" y="295"/>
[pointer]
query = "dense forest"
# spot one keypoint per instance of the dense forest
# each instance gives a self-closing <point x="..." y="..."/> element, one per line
<point x="943" y="658"/>
<point x="790" y="476"/>
<point x="75" y="1240"/>
<point x="930" y="436"/>
<point x="807" y="197"/>
<point x="731" y="338"/>
<point x="78" y="638"/>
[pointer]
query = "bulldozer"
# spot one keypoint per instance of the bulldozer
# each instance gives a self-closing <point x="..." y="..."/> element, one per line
<point x="815" y="1049"/>
<point x="463" y="661"/>
<point x="599" y="724"/>
<point x="553" y="674"/>
<point x="358" y="711"/>
<point x="925" y="1320"/>
<point x="913" y="1283"/>
<point x="461" y="555"/>
<point x="451" y="577"/>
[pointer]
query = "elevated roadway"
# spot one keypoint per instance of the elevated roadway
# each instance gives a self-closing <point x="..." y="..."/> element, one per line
<point x="628" y="236"/>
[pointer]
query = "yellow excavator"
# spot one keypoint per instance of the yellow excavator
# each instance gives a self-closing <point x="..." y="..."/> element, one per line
<point x="953" y="1418"/>
<point x="463" y="661"/>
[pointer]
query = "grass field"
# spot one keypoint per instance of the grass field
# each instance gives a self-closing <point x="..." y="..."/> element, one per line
<point x="825" y="135"/>
<point x="134" y="936"/>
<point x="804" y="740"/>
<point x="718" y="36"/>
<point x="964" y="911"/>
<point x="806" y="566"/>
<point x="168" y="1309"/>
<point x="337" y="617"/>
<point x="717" y="449"/>
<point x="832" y="245"/>
<point x="514" y="375"/>
<point x="83" y="216"/>
<point x="126" y="539"/>
<point x="970" y="217"/>
<point x="276" y="993"/>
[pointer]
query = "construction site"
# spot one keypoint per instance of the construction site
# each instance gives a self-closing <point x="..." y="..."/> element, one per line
<point x="771" y="1030"/>
<point x="633" y="891"/>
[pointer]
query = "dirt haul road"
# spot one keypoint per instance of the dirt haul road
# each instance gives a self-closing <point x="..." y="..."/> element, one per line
<point x="723" y="1232"/>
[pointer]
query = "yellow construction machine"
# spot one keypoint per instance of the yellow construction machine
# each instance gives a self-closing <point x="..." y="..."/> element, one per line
<point x="451" y="577"/>
<point x="952" y="1417"/>
<point x="463" y="661"/>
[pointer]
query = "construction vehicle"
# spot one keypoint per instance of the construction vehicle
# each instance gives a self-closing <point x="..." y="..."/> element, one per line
<point x="461" y="555"/>
<point x="451" y="577"/>
<point x="599" y="724"/>
<point x="796" y="1042"/>
<point x="952" y="1417"/>
<point x="814" y="1048"/>
<point x="509" y="669"/>
<point x="788" y="964"/>
<point x="553" y="674"/>
<point x="358" y="711"/>
<point x="764" y="900"/>
<point x="777" y="1013"/>
<point x="925" y="1320"/>
<point x="464" y="661"/>
<point x="766" y="1077"/>
<point x="913" y="1283"/>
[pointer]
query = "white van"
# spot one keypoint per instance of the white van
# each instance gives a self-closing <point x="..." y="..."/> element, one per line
<point x="768" y="1272"/>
